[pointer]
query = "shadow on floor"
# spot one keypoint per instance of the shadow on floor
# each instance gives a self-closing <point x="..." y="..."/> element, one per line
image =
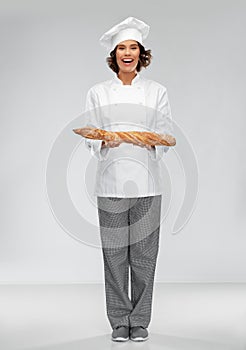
<point x="155" y="341"/>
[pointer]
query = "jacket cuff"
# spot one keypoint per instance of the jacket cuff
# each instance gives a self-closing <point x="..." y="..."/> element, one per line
<point x="157" y="152"/>
<point x="95" y="148"/>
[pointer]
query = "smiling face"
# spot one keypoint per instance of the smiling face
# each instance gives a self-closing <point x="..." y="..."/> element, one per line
<point x="127" y="55"/>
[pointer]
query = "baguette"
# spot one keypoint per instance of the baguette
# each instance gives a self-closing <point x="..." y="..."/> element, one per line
<point x="140" y="138"/>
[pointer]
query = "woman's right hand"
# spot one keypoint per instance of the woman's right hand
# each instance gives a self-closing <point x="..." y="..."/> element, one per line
<point x="110" y="143"/>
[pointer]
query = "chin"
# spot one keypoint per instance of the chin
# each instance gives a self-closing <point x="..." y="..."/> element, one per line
<point x="131" y="70"/>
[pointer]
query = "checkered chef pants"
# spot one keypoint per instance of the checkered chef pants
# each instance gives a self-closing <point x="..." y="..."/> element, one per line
<point x="129" y="231"/>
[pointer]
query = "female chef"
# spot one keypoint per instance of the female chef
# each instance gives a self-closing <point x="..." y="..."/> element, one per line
<point x="128" y="181"/>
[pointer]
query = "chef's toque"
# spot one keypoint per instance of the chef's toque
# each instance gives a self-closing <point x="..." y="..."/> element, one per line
<point x="129" y="29"/>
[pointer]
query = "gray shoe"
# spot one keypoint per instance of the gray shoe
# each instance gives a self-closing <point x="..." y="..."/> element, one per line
<point x="120" y="333"/>
<point x="138" y="333"/>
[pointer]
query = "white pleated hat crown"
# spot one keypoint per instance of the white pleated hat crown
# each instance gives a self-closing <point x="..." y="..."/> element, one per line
<point x="129" y="29"/>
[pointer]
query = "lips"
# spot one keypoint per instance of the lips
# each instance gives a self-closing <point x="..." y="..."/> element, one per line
<point x="127" y="60"/>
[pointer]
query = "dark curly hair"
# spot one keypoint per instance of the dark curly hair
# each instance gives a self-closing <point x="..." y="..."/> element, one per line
<point x="145" y="57"/>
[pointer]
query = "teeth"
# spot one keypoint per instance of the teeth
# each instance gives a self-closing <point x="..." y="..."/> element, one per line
<point x="127" y="60"/>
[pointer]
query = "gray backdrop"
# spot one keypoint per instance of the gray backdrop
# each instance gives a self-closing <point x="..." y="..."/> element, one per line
<point x="50" y="57"/>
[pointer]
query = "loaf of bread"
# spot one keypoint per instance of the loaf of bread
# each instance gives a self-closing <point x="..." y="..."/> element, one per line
<point x="140" y="138"/>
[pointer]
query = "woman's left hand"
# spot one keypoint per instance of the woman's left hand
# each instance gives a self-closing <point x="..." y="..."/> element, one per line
<point x="149" y="147"/>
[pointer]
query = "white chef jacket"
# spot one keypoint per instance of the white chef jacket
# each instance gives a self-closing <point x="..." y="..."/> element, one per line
<point x="128" y="170"/>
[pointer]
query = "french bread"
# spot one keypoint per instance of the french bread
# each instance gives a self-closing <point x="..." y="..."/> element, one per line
<point x="134" y="137"/>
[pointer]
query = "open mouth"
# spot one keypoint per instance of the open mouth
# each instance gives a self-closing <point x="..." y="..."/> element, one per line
<point x="127" y="60"/>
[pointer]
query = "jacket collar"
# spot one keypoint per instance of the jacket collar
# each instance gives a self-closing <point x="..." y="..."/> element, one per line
<point x="134" y="80"/>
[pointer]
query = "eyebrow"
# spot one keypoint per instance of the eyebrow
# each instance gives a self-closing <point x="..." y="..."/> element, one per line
<point x="130" y="45"/>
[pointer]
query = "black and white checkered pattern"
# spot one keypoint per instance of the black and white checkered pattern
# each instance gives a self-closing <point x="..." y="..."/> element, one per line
<point x="129" y="230"/>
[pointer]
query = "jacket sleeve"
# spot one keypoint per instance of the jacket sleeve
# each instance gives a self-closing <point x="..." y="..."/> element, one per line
<point x="92" y="117"/>
<point x="163" y="123"/>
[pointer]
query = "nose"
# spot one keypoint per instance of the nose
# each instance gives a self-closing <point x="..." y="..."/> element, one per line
<point x="127" y="50"/>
